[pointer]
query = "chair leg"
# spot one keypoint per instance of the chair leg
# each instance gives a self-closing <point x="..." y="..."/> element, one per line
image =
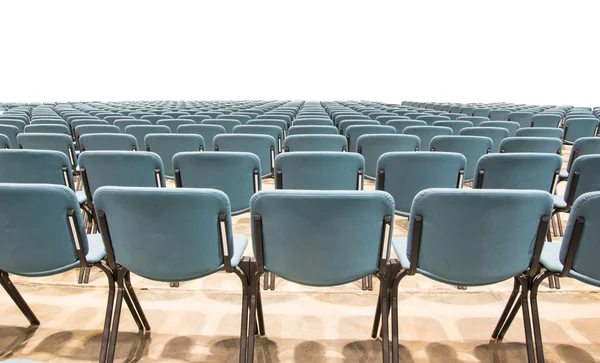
<point x="266" y="281"/>
<point x="363" y="283"/>
<point x="394" y="294"/>
<point x="14" y="294"/>
<point x="259" y="314"/>
<point x="526" y="318"/>
<point x="376" y="319"/>
<point x="116" y="317"/>
<point x="243" y="272"/>
<point x="109" y="311"/>
<point x="272" y="277"/>
<point x="383" y="296"/>
<point x="556" y="282"/>
<point x="551" y="282"/>
<point x="507" y="309"/>
<point x="559" y="222"/>
<point x="174" y="284"/>
<point x="553" y="225"/>
<point x="254" y="285"/>
<point x="535" y="316"/>
<point x="370" y="282"/>
<point x="133" y="303"/>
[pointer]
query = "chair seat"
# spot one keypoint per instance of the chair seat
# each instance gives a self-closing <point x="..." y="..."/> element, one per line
<point x="550" y="259"/>
<point x="239" y="246"/>
<point x="81" y="197"/>
<point x="559" y="202"/>
<point x="563" y="174"/>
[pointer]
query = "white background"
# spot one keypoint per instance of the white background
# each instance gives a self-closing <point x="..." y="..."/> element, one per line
<point x="536" y="52"/>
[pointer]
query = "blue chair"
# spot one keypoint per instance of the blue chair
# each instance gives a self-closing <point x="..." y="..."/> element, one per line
<point x="82" y="122"/>
<point x="263" y="146"/>
<point x="352" y="133"/>
<point x="460" y="237"/>
<point x="405" y="174"/>
<point x="279" y="123"/>
<point x="241" y="118"/>
<point x="550" y="145"/>
<point x="47" y="129"/>
<point x="174" y="124"/>
<point x="472" y="147"/>
<point x="315" y="143"/>
<point x="111" y="119"/>
<point x="545" y="120"/>
<point x="583" y="146"/>
<point x="481" y="112"/>
<point x="496" y="134"/>
<point x="343" y="125"/>
<point x="427" y="133"/>
<point x="499" y="115"/>
<point x="540" y="132"/>
<point x="576" y="128"/>
<point x="400" y="125"/>
<point x="312" y="122"/>
<point x="98" y="142"/>
<point x="455" y="125"/>
<point x="155" y="118"/>
<point x="56" y="142"/>
<point x="354" y="243"/>
<point x="476" y="120"/>
<point x="176" y="114"/>
<point x="228" y="124"/>
<point x="275" y="131"/>
<point x="452" y="115"/>
<point x="313" y="130"/>
<point x="11" y="133"/>
<point x="122" y="124"/>
<point x="208" y="133"/>
<point x="5" y="142"/>
<point x="140" y="132"/>
<point x="372" y="147"/>
<point x="466" y="110"/>
<point x="431" y="119"/>
<point x="237" y="174"/>
<point x="522" y="118"/>
<point x="17" y="123"/>
<point x="390" y="117"/>
<point x="193" y="242"/>
<point x="512" y="127"/>
<point x="47" y="121"/>
<point x="167" y="145"/>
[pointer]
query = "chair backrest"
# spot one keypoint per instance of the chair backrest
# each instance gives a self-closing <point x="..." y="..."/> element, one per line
<point x="57" y="240"/>
<point x="583" y="146"/>
<point x="56" y="142"/>
<point x="540" y="132"/>
<point x="343" y="125"/>
<point x="140" y="132"/>
<point x="452" y="115"/>
<point x="472" y="147"/>
<point x="155" y="118"/>
<point x="476" y="120"/>
<point x="319" y="171"/>
<point x="175" y="123"/>
<point x="275" y="131"/>
<point x="48" y="129"/>
<point x="120" y="168"/>
<point x="466" y="110"/>
<point x="518" y="171"/>
<point x="549" y="145"/>
<point x="430" y="119"/>
<point x="461" y="237"/>
<point x="11" y="133"/>
<point x="167" y="145"/>
<point x="228" y="124"/>
<point x="512" y="127"/>
<point x="312" y="122"/>
<point x="96" y="129"/>
<point x="371" y="147"/>
<point x="584" y="177"/>
<point x="499" y="115"/>
<point x="279" y="123"/>
<point x="176" y="114"/>
<point x="545" y="120"/>
<point x="17" y="123"/>
<point x="122" y="124"/>
<point x="36" y="167"/>
<point x="111" y="119"/>
<point x="404" y="174"/>
<point x="522" y="118"/>
<point x="241" y="118"/>
<point x="455" y="125"/>
<point x="263" y="146"/>
<point x="5" y="142"/>
<point x="78" y="122"/>
<point x="49" y="121"/>
<point x="352" y="133"/>
<point x="315" y="143"/>
<point x="352" y="244"/>
<point x="97" y="142"/>
<point x="400" y="125"/>
<point x="427" y="133"/>
<point x="237" y="174"/>
<point x="349" y="116"/>
<point x="313" y="130"/>
<point x="497" y="134"/>
<point x="577" y="128"/>
<point x="161" y="234"/>
<point x="481" y="112"/>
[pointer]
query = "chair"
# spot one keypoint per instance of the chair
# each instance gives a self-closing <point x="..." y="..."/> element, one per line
<point x="548" y="145"/>
<point x="534" y="171"/>
<point x="445" y="245"/>
<point x="76" y="123"/>
<point x="56" y="142"/>
<point x="452" y="115"/>
<point x="545" y="120"/>
<point x="405" y="174"/>
<point x="390" y="117"/>
<point x="313" y="130"/>
<point x="98" y="142"/>
<point x="466" y="110"/>
<point x="47" y="129"/>
<point x="167" y="145"/>
<point x="472" y="147"/>
<point x="431" y="119"/>
<point x="155" y="118"/>
<point x="228" y="124"/>
<point x="400" y="125"/>
<point x="512" y="127"/>
<point x="522" y="118"/>
<point x="481" y="112"/>
<point x="315" y="143"/>
<point x="175" y="123"/>
<point x="352" y="133"/>
<point x="263" y="146"/>
<point x="540" y="132"/>
<point x="476" y="120"/>
<point x="193" y="242"/>
<point x="140" y="132"/>
<point x="11" y="133"/>
<point x="312" y="122"/>
<point x="5" y="142"/>
<point x="17" y="123"/>
<point x="497" y="134"/>
<point x="275" y="131"/>
<point x="427" y="133"/>
<point x="176" y="114"/>
<point x="122" y="124"/>
<point x="279" y="123"/>
<point x="48" y="121"/>
<point x="576" y="128"/>
<point x="499" y="115"/>
<point x="111" y="119"/>
<point x="455" y="125"/>
<point x="241" y="118"/>
<point x="583" y="146"/>
<point x="360" y="248"/>
<point x="372" y="147"/>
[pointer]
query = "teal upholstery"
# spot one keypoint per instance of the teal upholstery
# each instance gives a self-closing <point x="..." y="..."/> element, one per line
<point x="324" y="170"/>
<point x="49" y="248"/>
<point x="390" y="117"/>
<point x="550" y="145"/>
<point x="476" y="120"/>
<point x="352" y="133"/>
<point x="155" y="118"/>
<point x="174" y="124"/>
<point x="576" y="128"/>
<point x="96" y="129"/>
<point x="522" y="118"/>
<point x="466" y="110"/>
<point x="455" y="125"/>
<point x="279" y="123"/>
<point x="78" y="122"/>
<point x="451" y="115"/>
<point x="310" y="252"/>
<point x="584" y="177"/>
<point x="545" y="120"/>
<point x="11" y="133"/>
<point x="48" y="129"/>
<point x="96" y="142"/>
<point x="349" y="116"/>
<point x="371" y="147"/>
<point x="583" y="146"/>
<point x="120" y="168"/>
<point x="275" y="116"/>
<point x="518" y="171"/>
<point x="228" y="124"/>
<point x="241" y="118"/>
<point x="400" y="125"/>
<point x="312" y="122"/>
<point x="5" y="142"/>
<point x="111" y="119"/>
<point x="208" y="133"/>
<point x="343" y="125"/>
<point x="481" y="112"/>
<point x="274" y="131"/>
<point x="167" y="145"/>
<point x="430" y="119"/>
<point x="540" y="132"/>
<point x="512" y="127"/>
<point x="122" y="124"/>
<point x="405" y="174"/>
<point x="17" y="123"/>
<point x="161" y="234"/>
<point x="46" y="121"/>
<point x="497" y="134"/>
<point x="427" y="133"/>
<point x="176" y="114"/>
<point x="56" y="142"/>
<point x="315" y="143"/>
<point x="474" y="237"/>
<point x="263" y="146"/>
<point x="140" y="132"/>
<point x="230" y="172"/>
<point x="313" y="130"/>
<point x="472" y="147"/>
<point x="499" y="115"/>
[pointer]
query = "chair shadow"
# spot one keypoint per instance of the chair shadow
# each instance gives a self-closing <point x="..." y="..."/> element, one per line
<point x="368" y="351"/>
<point x="21" y="338"/>
<point x="500" y="352"/>
<point x="228" y="350"/>
<point x="310" y="351"/>
<point x="571" y="354"/>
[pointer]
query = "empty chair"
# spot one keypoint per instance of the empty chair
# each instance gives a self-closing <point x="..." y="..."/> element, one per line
<point x="312" y="122"/>
<point x="545" y="120"/>
<point x="174" y="124"/>
<point x="98" y="142"/>
<point x="313" y="130"/>
<point x="46" y="121"/>
<point x="237" y="174"/>
<point x="427" y="133"/>
<point x="472" y="147"/>
<point x="445" y="244"/>
<point x="111" y="119"/>
<point x="81" y="122"/>
<point x="372" y="147"/>
<point x="155" y="118"/>
<point x="48" y="129"/>
<point x="263" y="146"/>
<point x="400" y="125"/>
<point x="452" y="115"/>
<point x="279" y="123"/>
<point x="343" y="125"/>
<point x="497" y="134"/>
<point x="548" y="145"/>
<point x="96" y="129"/>
<point x="208" y="132"/>
<point x="56" y="142"/>
<point x="414" y="115"/>
<point x="176" y="114"/>
<point x="476" y="120"/>
<point x="140" y="132"/>
<point x="466" y="110"/>
<point x="315" y="143"/>
<point x="274" y="131"/>
<point x="5" y="142"/>
<point x="405" y="174"/>
<point x="432" y="118"/>
<point x="512" y="127"/>
<point x="167" y="145"/>
<point x="367" y="220"/>
<point x="522" y="118"/>
<point x="499" y="115"/>
<point x="228" y="124"/>
<point x="352" y="133"/>
<point x="455" y="125"/>
<point x="577" y="128"/>
<point x="11" y="132"/>
<point x="241" y="118"/>
<point x="122" y="124"/>
<point x="518" y="171"/>
<point x="540" y="132"/>
<point x="583" y="146"/>
<point x="192" y="242"/>
<point x="481" y="112"/>
<point x="390" y="117"/>
<point x="17" y="123"/>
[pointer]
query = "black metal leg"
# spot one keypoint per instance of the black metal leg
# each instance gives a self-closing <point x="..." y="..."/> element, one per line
<point x="259" y="314"/>
<point x="272" y="277"/>
<point x="376" y="319"/>
<point x="549" y="236"/>
<point x="535" y="316"/>
<point x="559" y="222"/>
<point x="243" y="272"/>
<point x="266" y="281"/>
<point x="553" y="225"/>
<point x="551" y="282"/>
<point x="252" y="318"/>
<point x="383" y="296"/>
<point x="116" y="318"/>
<point x="556" y="282"/>
<point x="134" y="305"/>
<point x="526" y="319"/>
<point x="174" y="284"/>
<point x="370" y="283"/>
<point x="80" y="278"/>
<point x="109" y="311"/>
<point x="511" y="317"/>
<point x="394" y="293"/>
<point x="507" y="309"/>
<point x="14" y="294"/>
<point x="364" y="283"/>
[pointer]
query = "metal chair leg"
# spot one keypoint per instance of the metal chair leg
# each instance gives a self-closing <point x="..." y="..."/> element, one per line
<point x="266" y="281"/>
<point x="559" y="222"/>
<point x="394" y="293"/>
<point x="174" y="284"/>
<point x="507" y="309"/>
<point x="109" y="311"/>
<point x="383" y="296"/>
<point x="252" y="318"/>
<point x="14" y="294"/>
<point x="376" y="320"/>
<point x="243" y="272"/>
<point x="115" y="323"/>
<point x="364" y="283"/>
<point x="370" y="282"/>
<point x="537" y="332"/>
<point x="272" y="277"/>
<point x="556" y="282"/>
<point x="134" y="305"/>
<point x="526" y="319"/>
